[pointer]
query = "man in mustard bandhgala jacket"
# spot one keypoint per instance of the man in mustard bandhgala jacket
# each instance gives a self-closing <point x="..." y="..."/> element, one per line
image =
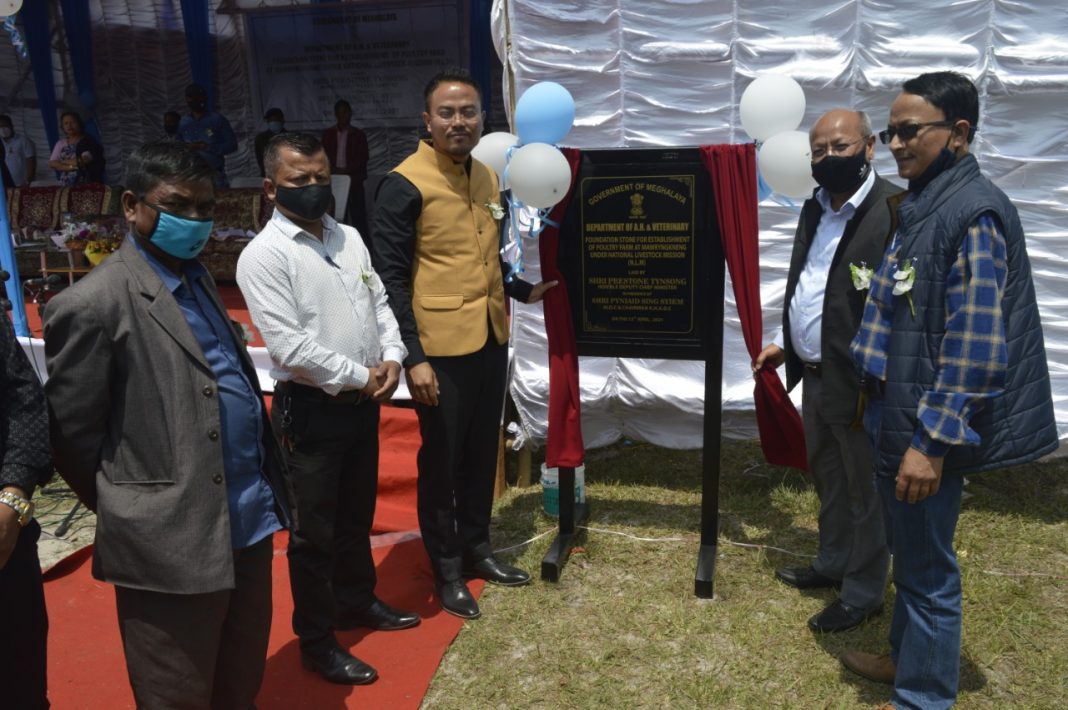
<point x="436" y="250"/>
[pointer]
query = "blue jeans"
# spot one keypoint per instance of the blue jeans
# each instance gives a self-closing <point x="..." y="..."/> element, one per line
<point x="925" y="628"/>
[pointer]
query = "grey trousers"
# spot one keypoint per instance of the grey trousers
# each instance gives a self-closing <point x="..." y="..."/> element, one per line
<point x="200" y="651"/>
<point x="852" y="539"/>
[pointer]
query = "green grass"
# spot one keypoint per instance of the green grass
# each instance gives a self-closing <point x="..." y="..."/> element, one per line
<point x="623" y="629"/>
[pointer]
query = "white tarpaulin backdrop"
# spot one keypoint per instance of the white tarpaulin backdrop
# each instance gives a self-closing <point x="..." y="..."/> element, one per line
<point x="671" y="72"/>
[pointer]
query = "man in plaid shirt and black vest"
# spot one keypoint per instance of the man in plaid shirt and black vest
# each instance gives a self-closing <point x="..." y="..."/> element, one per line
<point x="951" y="348"/>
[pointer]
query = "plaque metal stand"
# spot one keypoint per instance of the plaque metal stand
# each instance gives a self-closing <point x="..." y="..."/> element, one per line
<point x="648" y="283"/>
<point x="712" y="432"/>
<point x="570" y="535"/>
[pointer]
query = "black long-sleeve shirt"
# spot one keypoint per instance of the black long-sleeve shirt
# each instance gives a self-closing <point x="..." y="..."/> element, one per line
<point x="25" y="457"/>
<point x="397" y="208"/>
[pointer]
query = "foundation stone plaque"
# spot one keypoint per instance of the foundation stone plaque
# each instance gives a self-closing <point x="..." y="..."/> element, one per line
<point x="638" y="249"/>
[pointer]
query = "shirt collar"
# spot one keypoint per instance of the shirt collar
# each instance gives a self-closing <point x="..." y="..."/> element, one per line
<point x="291" y="230"/>
<point x="191" y="268"/>
<point x="850" y="205"/>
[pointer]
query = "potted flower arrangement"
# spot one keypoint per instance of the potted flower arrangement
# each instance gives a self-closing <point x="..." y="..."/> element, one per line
<point x="100" y="248"/>
<point x="74" y="235"/>
<point x="95" y="239"/>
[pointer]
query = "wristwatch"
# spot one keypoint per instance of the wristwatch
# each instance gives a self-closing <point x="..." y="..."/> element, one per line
<point x="21" y="506"/>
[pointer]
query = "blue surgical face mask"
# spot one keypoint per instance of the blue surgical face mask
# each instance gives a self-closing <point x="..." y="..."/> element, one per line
<point x="274" y="126"/>
<point x="181" y="237"/>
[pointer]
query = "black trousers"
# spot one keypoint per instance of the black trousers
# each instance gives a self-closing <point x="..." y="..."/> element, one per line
<point x="333" y="462"/>
<point x="24" y="649"/>
<point x="458" y="458"/>
<point x="199" y="651"/>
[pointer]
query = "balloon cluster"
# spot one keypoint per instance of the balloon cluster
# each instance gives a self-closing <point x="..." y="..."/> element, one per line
<point x="771" y="109"/>
<point x="536" y="172"/>
<point x="8" y="10"/>
<point x="529" y="166"/>
<point x="9" y="7"/>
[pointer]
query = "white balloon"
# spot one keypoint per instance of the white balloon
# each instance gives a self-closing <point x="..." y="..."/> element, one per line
<point x="492" y="149"/>
<point x="771" y="104"/>
<point x="785" y="161"/>
<point x="9" y="7"/>
<point x="539" y="175"/>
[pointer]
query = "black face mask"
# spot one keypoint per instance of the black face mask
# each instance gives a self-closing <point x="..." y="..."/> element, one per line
<point x="839" y="174"/>
<point x="945" y="160"/>
<point x="308" y="202"/>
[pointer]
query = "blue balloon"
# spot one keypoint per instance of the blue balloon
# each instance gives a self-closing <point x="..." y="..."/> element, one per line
<point x="544" y="114"/>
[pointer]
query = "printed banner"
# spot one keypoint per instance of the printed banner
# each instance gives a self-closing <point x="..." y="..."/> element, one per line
<point x="378" y="58"/>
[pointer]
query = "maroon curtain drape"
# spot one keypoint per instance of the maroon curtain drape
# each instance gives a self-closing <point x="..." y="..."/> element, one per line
<point x="734" y="188"/>
<point x="563" y="445"/>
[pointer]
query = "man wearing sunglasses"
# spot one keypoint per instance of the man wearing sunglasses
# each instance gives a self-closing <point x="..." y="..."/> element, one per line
<point x="846" y="223"/>
<point x="159" y="426"/>
<point x="951" y="348"/>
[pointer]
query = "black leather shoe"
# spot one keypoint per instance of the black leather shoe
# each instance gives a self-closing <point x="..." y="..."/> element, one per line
<point x="379" y="616"/>
<point x="337" y="665"/>
<point x="806" y="578"/>
<point x="496" y="572"/>
<point x="457" y="600"/>
<point x="839" y="616"/>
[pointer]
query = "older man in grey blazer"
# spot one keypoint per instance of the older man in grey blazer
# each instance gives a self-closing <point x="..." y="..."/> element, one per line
<point x="843" y="228"/>
<point x="158" y="425"/>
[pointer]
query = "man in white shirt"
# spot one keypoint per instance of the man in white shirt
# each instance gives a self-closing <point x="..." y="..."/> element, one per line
<point x="336" y="351"/>
<point x="20" y="153"/>
<point x="846" y="224"/>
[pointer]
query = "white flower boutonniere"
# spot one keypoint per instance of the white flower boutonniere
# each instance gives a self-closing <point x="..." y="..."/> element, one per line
<point x="368" y="278"/>
<point x="861" y="276"/>
<point x="495" y="210"/>
<point x="904" y="278"/>
<point x="248" y="334"/>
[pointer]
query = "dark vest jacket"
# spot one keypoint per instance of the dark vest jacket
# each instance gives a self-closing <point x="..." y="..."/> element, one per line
<point x="864" y="240"/>
<point x="1015" y="427"/>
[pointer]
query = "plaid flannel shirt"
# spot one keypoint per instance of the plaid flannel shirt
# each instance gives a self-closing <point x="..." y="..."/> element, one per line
<point x="973" y="358"/>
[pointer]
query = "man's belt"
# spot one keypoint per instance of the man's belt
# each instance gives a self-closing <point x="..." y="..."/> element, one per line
<point x="314" y="394"/>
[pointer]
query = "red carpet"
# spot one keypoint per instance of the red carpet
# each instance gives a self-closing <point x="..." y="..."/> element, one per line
<point x="231" y="298"/>
<point x="86" y="666"/>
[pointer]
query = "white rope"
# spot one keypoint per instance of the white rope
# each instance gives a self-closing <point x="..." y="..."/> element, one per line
<point x="1023" y="574"/>
<point x="525" y="542"/>
<point x="765" y="547"/>
<point x="639" y="538"/>
<point x="633" y="537"/>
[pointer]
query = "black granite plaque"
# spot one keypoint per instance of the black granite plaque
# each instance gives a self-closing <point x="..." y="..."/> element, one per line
<point x="639" y="247"/>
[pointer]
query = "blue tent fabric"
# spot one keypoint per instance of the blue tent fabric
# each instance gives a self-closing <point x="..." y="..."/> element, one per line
<point x="481" y="48"/>
<point x="79" y="43"/>
<point x="35" y="24"/>
<point x="13" y="285"/>
<point x="200" y="45"/>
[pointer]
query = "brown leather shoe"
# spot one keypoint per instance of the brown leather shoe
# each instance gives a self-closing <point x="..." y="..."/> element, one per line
<point x="881" y="669"/>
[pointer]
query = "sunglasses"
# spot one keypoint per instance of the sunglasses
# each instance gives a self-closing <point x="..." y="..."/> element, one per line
<point x="908" y="131"/>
